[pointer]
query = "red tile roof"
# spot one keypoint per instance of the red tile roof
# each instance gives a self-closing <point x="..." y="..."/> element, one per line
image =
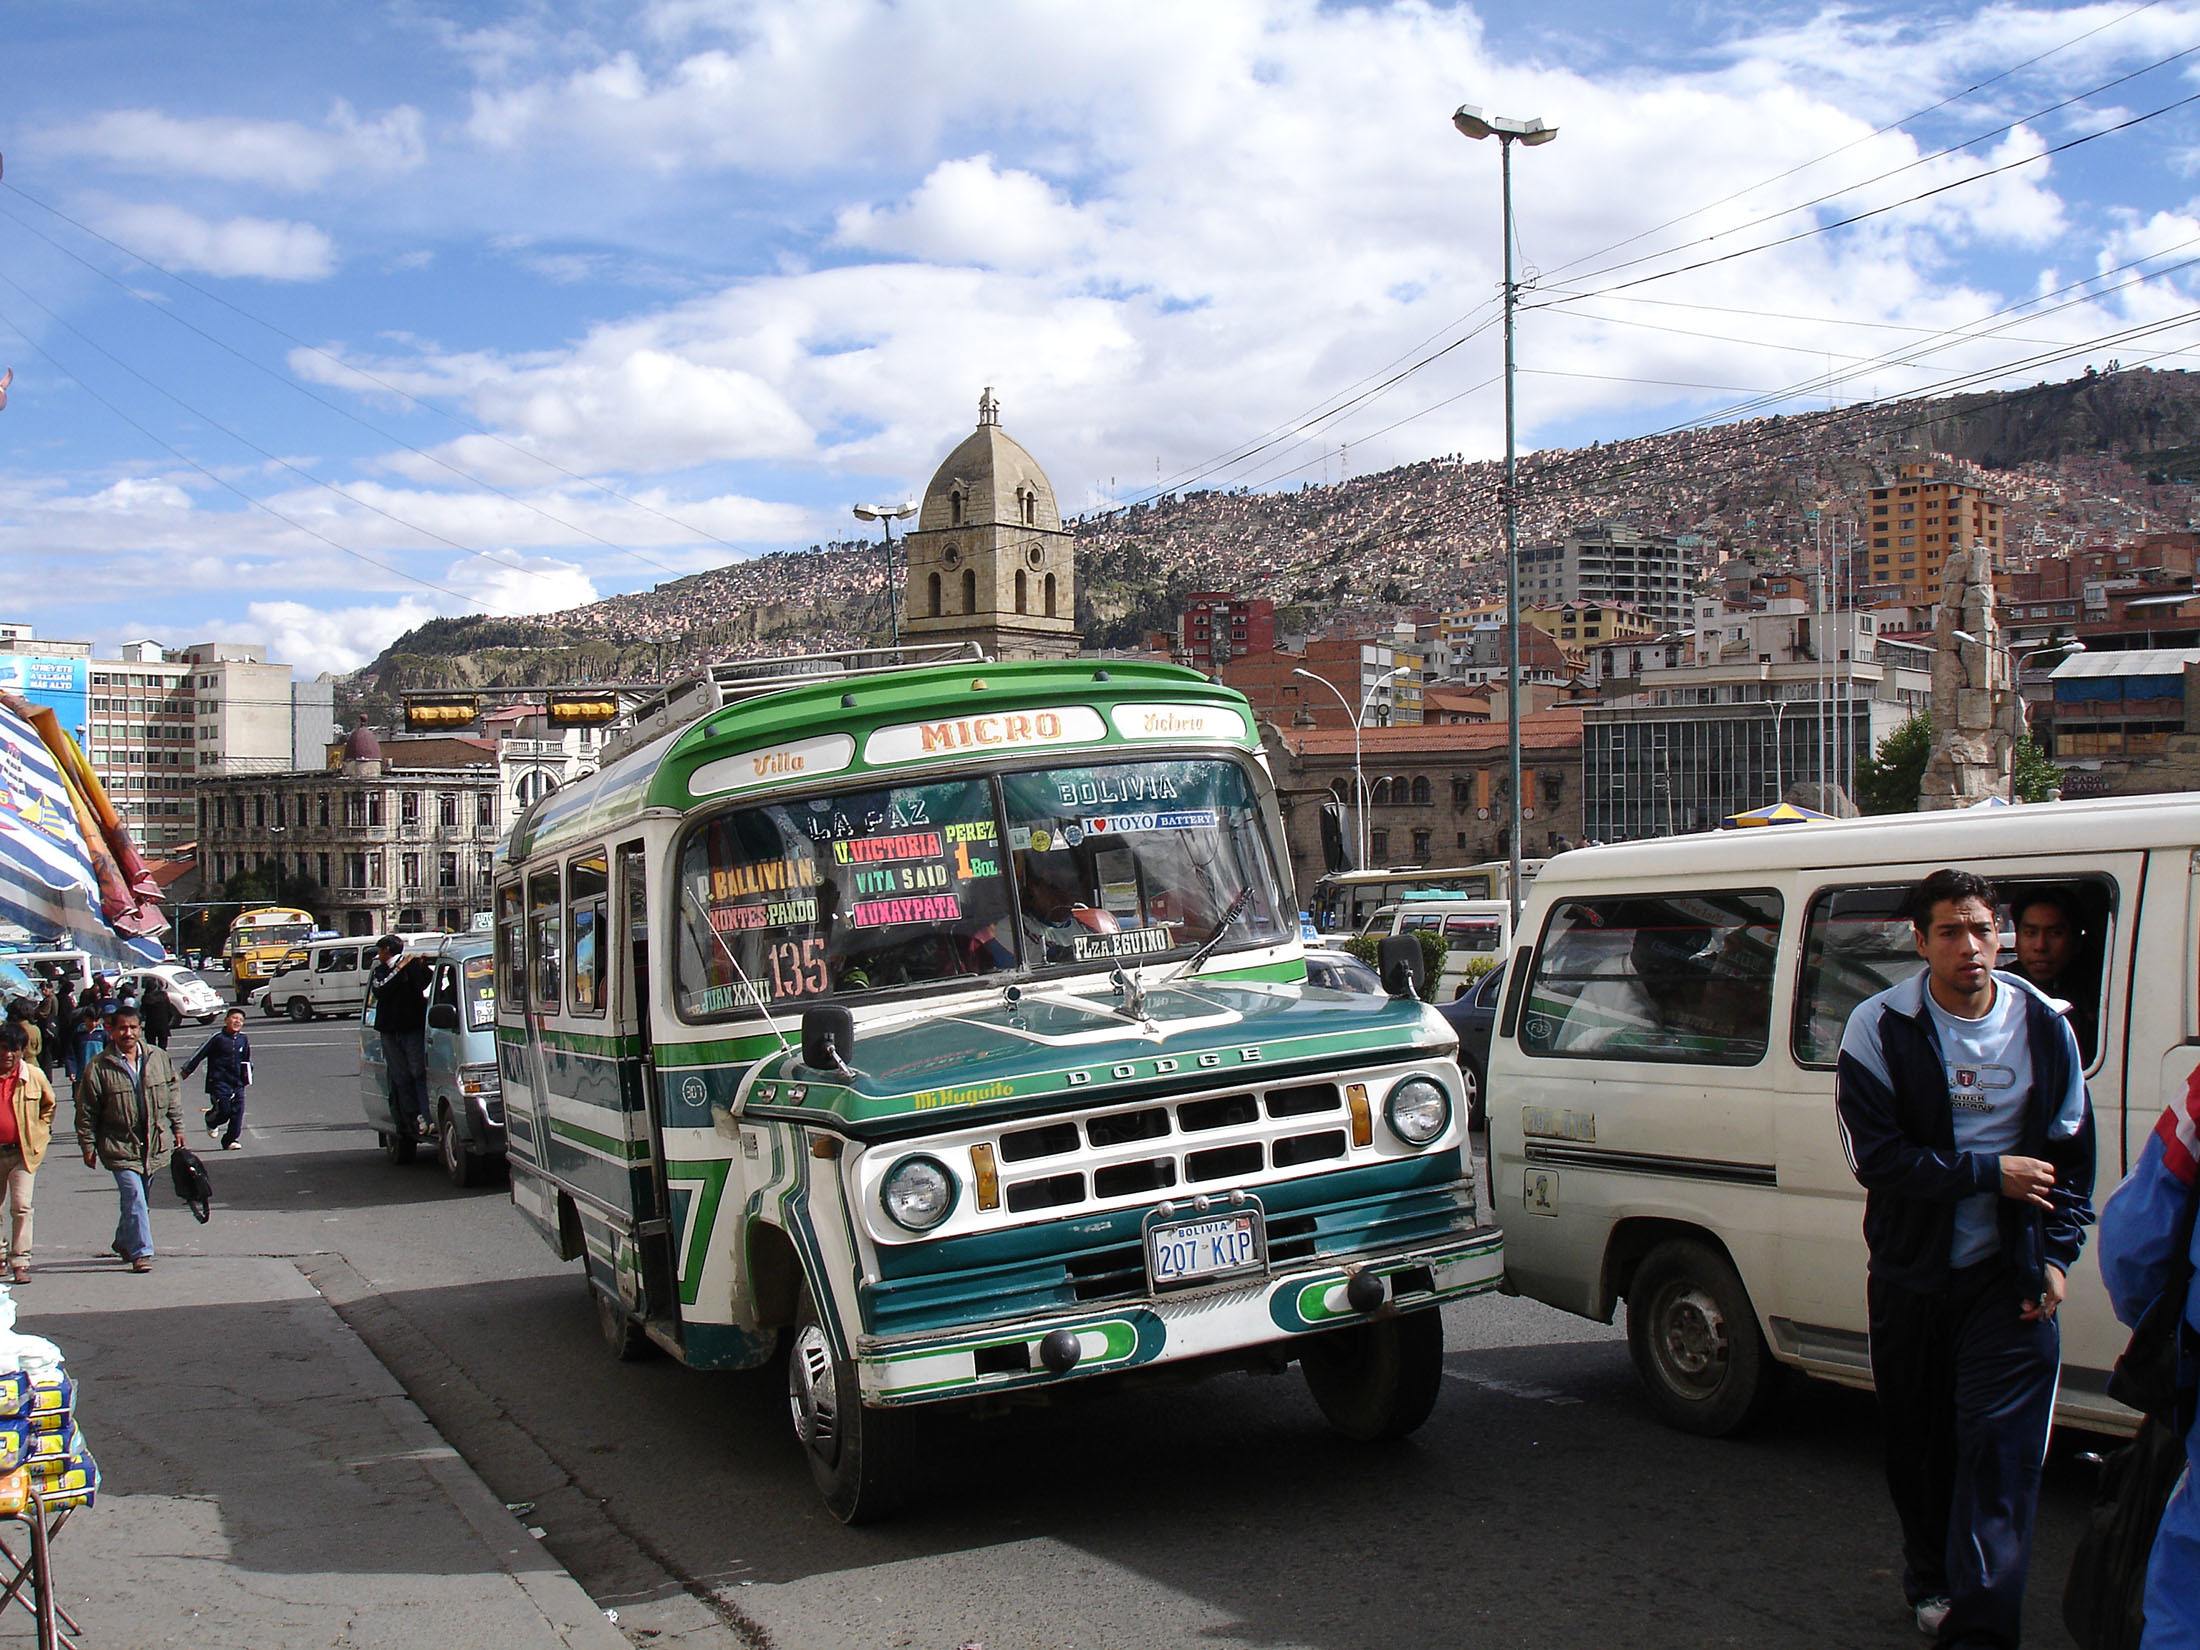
<point x="1543" y="730"/>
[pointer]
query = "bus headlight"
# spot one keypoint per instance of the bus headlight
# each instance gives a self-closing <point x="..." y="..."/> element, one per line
<point x="918" y="1193"/>
<point x="1418" y="1110"/>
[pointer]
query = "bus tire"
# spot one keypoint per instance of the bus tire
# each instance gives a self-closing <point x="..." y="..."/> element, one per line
<point x="1694" y="1339"/>
<point x="1377" y="1380"/>
<point x="861" y="1459"/>
<point x="460" y="1166"/>
<point x="628" y="1341"/>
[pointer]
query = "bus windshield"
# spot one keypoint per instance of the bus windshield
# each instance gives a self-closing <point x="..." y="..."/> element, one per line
<point x="276" y="933"/>
<point x="796" y="901"/>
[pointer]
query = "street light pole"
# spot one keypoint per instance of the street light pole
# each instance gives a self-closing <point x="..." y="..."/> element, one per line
<point x="886" y="515"/>
<point x="1356" y="718"/>
<point x="1472" y="122"/>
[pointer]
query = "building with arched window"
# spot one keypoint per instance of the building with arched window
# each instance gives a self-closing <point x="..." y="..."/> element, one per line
<point x="989" y="561"/>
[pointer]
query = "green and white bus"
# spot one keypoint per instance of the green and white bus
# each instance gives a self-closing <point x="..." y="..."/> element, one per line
<point x="944" y="1024"/>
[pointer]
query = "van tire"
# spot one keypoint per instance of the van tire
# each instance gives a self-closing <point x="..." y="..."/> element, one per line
<point x="862" y="1460"/>
<point x="460" y="1166"/>
<point x="300" y="1010"/>
<point x="1695" y="1341"/>
<point x="628" y="1341"/>
<point x="1377" y="1380"/>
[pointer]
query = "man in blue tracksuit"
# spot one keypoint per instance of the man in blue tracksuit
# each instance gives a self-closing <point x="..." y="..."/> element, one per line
<point x="1964" y="1114"/>
<point x="2142" y="1222"/>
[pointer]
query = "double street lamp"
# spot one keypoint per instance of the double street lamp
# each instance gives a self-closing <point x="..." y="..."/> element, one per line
<point x="1357" y="718"/>
<point x="886" y="515"/>
<point x="1474" y="123"/>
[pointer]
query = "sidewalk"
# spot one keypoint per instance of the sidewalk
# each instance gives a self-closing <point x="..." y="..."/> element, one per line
<point x="266" y="1483"/>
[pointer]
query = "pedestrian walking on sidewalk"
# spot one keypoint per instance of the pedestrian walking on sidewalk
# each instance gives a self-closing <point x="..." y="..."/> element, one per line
<point x="399" y="995"/>
<point x="122" y="1101"/>
<point x="162" y="1016"/>
<point x="228" y="1058"/>
<point x="1964" y="1114"/>
<point x="24" y="1013"/>
<point x="26" y="1127"/>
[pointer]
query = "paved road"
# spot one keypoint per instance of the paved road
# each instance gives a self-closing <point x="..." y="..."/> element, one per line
<point x="1541" y="1506"/>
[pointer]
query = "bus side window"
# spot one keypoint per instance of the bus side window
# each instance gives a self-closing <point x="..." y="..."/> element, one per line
<point x="1676" y="977"/>
<point x="544" y="957"/>
<point x="511" y="946"/>
<point x="588" y="895"/>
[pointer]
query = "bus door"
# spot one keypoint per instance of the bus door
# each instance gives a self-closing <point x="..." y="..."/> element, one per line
<point x="660" y="1278"/>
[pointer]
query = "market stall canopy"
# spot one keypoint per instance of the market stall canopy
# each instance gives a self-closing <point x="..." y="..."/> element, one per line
<point x="68" y="869"/>
<point x="1779" y="813"/>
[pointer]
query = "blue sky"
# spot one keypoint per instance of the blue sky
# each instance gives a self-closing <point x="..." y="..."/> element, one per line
<point x="504" y="307"/>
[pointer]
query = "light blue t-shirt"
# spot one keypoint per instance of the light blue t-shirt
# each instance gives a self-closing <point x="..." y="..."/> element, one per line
<point x="1989" y="1062"/>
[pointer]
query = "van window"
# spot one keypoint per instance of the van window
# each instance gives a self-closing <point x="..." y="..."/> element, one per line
<point x="510" y="947"/>
<point x="1680" y="977"/>
<point x="480" y="992"/>
<point x="1858" y="941"/>
<point x="1474" y="936"/>
<point x="543" y="955"/>
<point x="588" y="898"/>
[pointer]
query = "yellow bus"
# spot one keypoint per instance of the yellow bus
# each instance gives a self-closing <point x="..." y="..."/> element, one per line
<point x="264" y="942"/>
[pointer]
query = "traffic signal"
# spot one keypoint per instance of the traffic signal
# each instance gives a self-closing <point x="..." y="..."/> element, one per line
<point x="440" y="712"/>
<point x="582" y="709"/>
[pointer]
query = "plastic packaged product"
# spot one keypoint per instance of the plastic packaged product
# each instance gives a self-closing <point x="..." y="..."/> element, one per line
<point x="63" y="1442"/>
<point x="15" y="1392"/>
<point x="15" y="1444"/>
<point x="65" y="1481"/>
<point x="15" y="1492"/>
<point x="51" y="1398"/>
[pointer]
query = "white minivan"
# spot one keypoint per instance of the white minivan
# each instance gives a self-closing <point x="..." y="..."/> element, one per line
<point x="1661" y="1076"/>
<point x="332" y="979"/>
<point x="1474" y="931"/>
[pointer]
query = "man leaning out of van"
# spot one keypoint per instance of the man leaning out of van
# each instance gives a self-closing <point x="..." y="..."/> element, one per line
<point x="1964" y="1114"/>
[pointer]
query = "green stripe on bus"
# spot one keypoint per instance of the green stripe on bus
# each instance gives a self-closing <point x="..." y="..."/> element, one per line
<point x="623" y="1150"/>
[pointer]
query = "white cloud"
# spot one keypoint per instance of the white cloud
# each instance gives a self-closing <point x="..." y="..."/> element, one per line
<point x="967" y="211"/>
<point x="312" y="639"/>
<point x="269" y="249"/>
<point x="278" y="154"/>
<point x="509" y="584"/>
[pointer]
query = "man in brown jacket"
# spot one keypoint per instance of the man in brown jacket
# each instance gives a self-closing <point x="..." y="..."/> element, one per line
<point x="26" y="1125"/>
<point x="121" y="1101"/>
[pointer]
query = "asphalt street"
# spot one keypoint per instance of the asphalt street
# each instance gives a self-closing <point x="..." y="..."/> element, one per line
<point x="1541" y="1505"/>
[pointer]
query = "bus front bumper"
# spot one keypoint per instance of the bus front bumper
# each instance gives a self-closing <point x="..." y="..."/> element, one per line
<point x="1274" y="1309"/>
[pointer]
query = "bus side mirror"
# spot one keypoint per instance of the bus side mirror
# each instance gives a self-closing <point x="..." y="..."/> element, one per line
<point x="828" y="1039"/>
<point x="1401" y="965"/>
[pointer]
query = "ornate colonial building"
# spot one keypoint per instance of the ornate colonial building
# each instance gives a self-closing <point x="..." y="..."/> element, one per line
<point x="989" y="561"/>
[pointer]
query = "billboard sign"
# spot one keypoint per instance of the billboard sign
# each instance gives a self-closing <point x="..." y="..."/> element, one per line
<point x="60" y="684"/>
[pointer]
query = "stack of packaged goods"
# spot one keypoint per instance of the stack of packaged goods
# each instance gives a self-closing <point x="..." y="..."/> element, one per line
<point x="41" y="1447"/>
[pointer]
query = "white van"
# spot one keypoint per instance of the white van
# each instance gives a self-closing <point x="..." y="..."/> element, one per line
<point x="1661" y="1077"/>
<point x="333" y="978"/>
<point x="1474" y="931"/>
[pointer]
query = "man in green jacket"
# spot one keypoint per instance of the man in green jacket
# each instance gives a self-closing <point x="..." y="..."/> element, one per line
<point x="120" y="1102"/>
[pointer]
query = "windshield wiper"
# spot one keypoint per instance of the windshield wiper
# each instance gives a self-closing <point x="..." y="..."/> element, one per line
<point x="1207" y="949"/>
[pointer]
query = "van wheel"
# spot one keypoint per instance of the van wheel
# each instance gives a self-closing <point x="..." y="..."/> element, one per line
<point x="1695" y="1341"/>
<point x="460" y="1166"/>
<point x="300" y="1010"/>
<point x="861" y="1459"/>
<point x="1377" y="1380"/>
<point x="629" y="1343"/>
<point x="397" y="1147"/>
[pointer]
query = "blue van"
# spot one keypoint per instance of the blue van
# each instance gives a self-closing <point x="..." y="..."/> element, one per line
<point x="465" y="1097"/>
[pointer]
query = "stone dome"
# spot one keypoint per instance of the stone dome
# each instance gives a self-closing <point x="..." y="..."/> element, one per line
<point x="362" y="746"/>
<point x="994" y="480"/>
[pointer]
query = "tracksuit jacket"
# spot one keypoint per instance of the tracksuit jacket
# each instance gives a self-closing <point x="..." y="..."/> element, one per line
<point x="2141" y="1224"/>
<point x="1894" y="1094"/>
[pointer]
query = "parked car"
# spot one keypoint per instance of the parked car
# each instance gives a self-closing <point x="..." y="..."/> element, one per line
<point x="1335" y="970"/>
<point x="192" y="996"/>
<point x="465" y="1091"/>
<point x="1473" y="1014"/>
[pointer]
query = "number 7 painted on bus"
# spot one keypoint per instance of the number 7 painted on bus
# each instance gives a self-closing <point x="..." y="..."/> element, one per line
<point x="942" y="1026"/>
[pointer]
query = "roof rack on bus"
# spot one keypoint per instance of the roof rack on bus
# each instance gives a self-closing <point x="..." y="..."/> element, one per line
<point x="729" y="680"/>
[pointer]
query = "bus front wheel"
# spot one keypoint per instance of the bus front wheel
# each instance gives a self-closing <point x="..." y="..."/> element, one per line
<point x="1377" y="1380"/>
<point x="1695" y="1342"/>
<point x="861" y="1459"/>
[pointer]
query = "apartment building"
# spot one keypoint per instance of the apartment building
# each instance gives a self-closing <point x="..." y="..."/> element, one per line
<point x="1915" y="520"/>
<point x="141" y="738"/>
<point x="1220" y="625"/>
<point x="1610" y="562"/>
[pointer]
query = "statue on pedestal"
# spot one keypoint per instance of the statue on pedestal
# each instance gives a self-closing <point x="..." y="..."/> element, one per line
<point x="1976" y="713"/>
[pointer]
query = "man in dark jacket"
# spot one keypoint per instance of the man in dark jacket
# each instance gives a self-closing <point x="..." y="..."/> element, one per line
<point x="126" y="1111"/>
<point x="1964" y="1115"/>
<point x="161" y="1015"/>
<point x="397" y="992"/>
<point x="228" y="1057"/>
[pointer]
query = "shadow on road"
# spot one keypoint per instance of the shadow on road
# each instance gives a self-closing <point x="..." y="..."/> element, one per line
<point x="336" y="1179"/>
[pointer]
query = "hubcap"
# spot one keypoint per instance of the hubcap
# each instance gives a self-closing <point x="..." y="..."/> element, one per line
<point x="810" y="1394"/>
<point x="1693" y="1336"/>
